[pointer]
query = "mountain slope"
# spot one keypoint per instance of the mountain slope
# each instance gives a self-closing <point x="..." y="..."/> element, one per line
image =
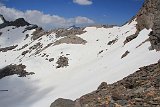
<point x="140" y="89"/>
<point x="68" y="62"/>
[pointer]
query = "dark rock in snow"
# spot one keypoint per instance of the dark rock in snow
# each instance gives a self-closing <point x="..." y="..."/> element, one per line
<point x="51" y="59"/>
<point x="131" y="37"/>
<point x="25" y="52"/>
<point x="62" y="62"/>
<point x="112" y="41"/>
<point x="125" y="54"/>
<point x="8" y="48"/>
<point x="31" y="27"/>
<point x="14" y="69"/>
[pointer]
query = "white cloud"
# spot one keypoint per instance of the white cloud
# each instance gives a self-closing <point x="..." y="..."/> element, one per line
<point x="82" y="20"/>
<point x="41" y="19"/>
<point x="83" y="2"/>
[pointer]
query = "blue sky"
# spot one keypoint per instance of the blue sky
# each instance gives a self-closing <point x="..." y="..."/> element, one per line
<point x="100" y="11"/>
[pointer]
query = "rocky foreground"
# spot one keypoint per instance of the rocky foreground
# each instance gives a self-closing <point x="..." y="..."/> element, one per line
<point x="140" y="89"/>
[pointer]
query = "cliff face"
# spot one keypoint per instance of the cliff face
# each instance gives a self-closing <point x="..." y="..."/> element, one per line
<point x="149" y="17"/>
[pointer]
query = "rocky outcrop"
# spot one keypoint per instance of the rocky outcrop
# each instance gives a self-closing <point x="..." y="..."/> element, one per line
<point x="14" y="69"/>
<point x="63" y="103"/>
<point x="51" y="59"/>
<point x="71" y="39"/>
<point x="67" y="32"/>
<point x="38" y="33"/>
<point x="125" y="54"/>
<point x="20" y="22"/>
<point x="149" y="17"/>
<point x="112" y="41"/>
<point x="62" y="62"/>
<point x="8" y="48"/>
<point x="130" y="38"/>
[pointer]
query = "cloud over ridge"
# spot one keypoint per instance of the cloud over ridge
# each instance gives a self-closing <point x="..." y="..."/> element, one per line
<point x="41" y="19"/>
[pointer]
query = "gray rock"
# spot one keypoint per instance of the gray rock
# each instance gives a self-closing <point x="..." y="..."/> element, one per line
<point x="51" y="59"/>
<point x="63" y="103"/>
<point x="125" y="54"/>
<point x="62" y="62"/>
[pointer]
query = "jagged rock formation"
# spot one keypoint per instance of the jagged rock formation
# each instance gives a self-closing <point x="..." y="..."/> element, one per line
<point x="140" y="89"/>
<point x="20" y="22"/>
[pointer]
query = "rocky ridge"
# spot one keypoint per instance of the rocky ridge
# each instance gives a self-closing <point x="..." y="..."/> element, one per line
<point x="20" y="22"/>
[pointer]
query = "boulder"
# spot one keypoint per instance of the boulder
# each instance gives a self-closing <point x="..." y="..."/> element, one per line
<point x="63" y="103"/>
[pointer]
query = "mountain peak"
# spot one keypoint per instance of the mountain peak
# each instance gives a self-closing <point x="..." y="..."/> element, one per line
<point x="20" y="22"/>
